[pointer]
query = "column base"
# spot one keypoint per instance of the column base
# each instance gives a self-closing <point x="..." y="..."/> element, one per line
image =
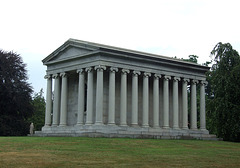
<point x="99" y="123"/>
<point x="156" y="127"/>
<point x="205" y="131"/>
<point x="54" y="125"/>
<point x="46" y="127"/>
<point x="89" y="124"/>
<point x="79" y="124"/>
<point x="176" y="128"/>
<point x="135" y="125"/>
<point x="123" y="125"/>
<point x="111" y="124"/>
<point x="145" y="126"/>
<point x="165" y="127"/>
<point x="62" y="125"/>
<point x="185" y="128"/>
<point x="194" y="129"/>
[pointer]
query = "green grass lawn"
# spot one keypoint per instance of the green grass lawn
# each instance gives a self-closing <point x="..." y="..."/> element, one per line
<point x="105" y="152"/>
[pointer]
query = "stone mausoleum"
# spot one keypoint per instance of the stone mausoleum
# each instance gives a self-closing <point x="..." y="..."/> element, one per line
<point x="97" y="90"/>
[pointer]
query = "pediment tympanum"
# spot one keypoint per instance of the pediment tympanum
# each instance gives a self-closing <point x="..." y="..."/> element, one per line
<point x="70" y="52"/>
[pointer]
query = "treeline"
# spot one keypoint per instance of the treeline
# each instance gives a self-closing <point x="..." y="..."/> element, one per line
<point x="17" y="106"/>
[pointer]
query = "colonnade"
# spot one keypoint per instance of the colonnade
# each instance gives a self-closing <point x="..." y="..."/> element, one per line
<point x="59" y="108"/>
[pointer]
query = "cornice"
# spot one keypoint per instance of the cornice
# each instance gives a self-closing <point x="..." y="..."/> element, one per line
<point x="121" y="52"/>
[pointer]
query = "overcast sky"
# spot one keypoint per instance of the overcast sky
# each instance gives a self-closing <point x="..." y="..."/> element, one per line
<point x="171" y="28"/>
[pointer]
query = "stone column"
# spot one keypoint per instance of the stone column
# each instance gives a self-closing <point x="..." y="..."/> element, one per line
<point x="81" y="96"/>
<point x="111" y="98"/>
<point x="202" y="106"/>
<point x="89" y="119"/>
<point x="48" y="100"/>
<point x="99" y="95"/>
<point x="166" y="101"/>
<point x="56" y="101"/>
<point x="64" y="95"/>
<point x="193" y="105"/>
<point x="135" y="98"/>
<point x="175" y="103"/>
<point x="145" y="122"/>
<point x="123" y="98"/>
<point x="156" y="100"/>
<point x="184" y="104"/>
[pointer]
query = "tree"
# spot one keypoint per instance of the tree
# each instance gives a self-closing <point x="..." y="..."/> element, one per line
<point x="39" y="104"/>
<point x="15" y="95"/>
<point x="224" y="106"/>
<point x="192" y="58"/>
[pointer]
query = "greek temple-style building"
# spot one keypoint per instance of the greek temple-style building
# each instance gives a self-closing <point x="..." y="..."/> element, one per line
<point x="97" y="90"/>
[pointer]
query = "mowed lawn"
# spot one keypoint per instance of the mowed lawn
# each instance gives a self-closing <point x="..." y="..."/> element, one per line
<point x="56" y="152"/>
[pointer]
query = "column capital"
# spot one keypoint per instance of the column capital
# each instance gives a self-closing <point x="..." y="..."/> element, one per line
<point x="166" y="77"/>
<point x="136" y="73"/>
<point x="185" y="80"/>
<point x="194" y="81"/>
<point x="47" y="76"/>
<point x="147" y="74"/>
<point x="89" y="69"/>
<point x="176" y="78"/>
<point x="100" y="68"/>
<point x="205" y="83"/>
<point x="80" y="71"/>
<point x="125" y="71"/>
<point x="55" y="76"/>
<point x="157" y="76"/>
<point x="63" y="74"/>
<point x="113" y="69"/>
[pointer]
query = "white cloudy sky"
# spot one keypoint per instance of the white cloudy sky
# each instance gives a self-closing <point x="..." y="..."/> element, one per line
<point x="167" y="27"/>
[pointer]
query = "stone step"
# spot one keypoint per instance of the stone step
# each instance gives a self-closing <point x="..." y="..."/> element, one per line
<point x="126" y="134"/>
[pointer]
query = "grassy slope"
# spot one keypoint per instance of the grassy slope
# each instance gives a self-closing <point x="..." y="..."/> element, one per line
<point x="105" y="152"/>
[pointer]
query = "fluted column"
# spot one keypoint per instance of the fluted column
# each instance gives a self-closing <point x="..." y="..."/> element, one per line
<point x="123" y="98"/>
<point x="89" y="119"/>
<point x="145" y="122"/>
<point x="193" y="105"/>
<point x="48" y="100"/>
<point x="166" y="101"/>
<point x="202" y="106"/>
<point x="64" y="94"/>
<point x="111" y="98"/>
<point x="81" y="96"/>
<point x="135" y="98"/>
<point x="99" y="95"/>
<point x="56" y="101"/>
<point x="156" y="100"/>
<point x="175" y="103"/>
<point x="184" y="103"/>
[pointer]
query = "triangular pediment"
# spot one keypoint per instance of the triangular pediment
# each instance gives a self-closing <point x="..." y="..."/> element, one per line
<point x="70" y="52"/>
<point x="70" y="49"/>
